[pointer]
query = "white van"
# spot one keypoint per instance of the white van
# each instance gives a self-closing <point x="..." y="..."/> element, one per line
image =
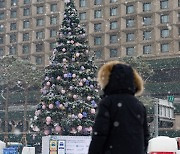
<point x="164" y="145"/>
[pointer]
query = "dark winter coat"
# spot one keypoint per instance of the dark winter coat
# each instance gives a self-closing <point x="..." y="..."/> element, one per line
<point x="120" y="125"/>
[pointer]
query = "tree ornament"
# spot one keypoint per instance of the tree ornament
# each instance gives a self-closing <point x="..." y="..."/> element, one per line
<point x="93" y="111"/>
<point x="48" y="83"/>
<point x="63" y="49"/>
<point x="51" y="106"/>
<point x="64" y="60"/>
<point x="73" y="59"/>
<point x="74" y="75"/>
<point x="48" y="122"/>
<point x="75" y="96"/>
<point x="82" y="68"/>
<point x="58" y="129"/>
<point x="80" y="84"/>
<point x="46" y="78"/>
<point x="38" y="112"/>
<point x="46" y="132"/>
<point x="48" y="118"/>
<point x="84" y="79"/>
<point x="79" y="128"/>
<point x="65" y="75"/>
<point x="44" y="107"/>
<point x="72" y="41"/>
<point x="58" y="78"/>
<point x="91" y="86"/>
<point x="80" y="116"/>
<point x="63" y="91"/>
<point x="88" y="98"/>
<point x="57" y="103"/>
<point x="77" y="54"/>
<point x="71" y="87"/>
<point x="85" y="114"/>
<point x="35" y="128"/>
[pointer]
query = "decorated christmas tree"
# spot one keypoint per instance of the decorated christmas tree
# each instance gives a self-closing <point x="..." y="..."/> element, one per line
<point x="69" y="91"/>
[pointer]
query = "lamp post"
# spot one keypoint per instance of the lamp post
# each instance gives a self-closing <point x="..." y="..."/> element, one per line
<point x="156" y="116"/>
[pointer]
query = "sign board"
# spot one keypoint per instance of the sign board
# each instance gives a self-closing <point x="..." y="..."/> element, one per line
<point x="170" y="98"/>
<point x="66" y="144"/>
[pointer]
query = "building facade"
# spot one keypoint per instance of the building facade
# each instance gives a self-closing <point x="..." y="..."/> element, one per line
<point x="115" y="28"/>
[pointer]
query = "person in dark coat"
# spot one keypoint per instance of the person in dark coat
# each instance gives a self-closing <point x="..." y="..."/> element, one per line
<point x="121" y="123"/>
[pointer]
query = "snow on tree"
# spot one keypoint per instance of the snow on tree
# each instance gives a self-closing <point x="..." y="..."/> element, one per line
<point x="69" y="91"/>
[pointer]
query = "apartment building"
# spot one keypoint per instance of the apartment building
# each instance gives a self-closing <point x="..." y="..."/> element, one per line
<point x="115" y="28"/>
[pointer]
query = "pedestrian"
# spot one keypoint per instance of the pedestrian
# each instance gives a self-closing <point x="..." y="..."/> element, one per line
<point x="121" y="123"/>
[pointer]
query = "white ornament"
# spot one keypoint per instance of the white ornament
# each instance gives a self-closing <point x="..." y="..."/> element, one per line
<point x="77" y="54"/>
<point x="74" y="75"/>
<point x="64" y="60"/>
<point x="93" y="111"/>
<point x="89" y="98"/>
<point x="63" y="91"/>
<point x="84" y="79"/>
<point x="80" y="84"/>
<point x="75" y="96"/>
<point x="67" y="1"/>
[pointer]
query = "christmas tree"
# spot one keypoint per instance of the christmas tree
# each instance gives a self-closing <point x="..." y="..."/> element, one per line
<point x="69" y="91"/>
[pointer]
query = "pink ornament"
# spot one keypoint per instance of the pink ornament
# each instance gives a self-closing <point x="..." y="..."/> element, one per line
<point x="75" y="96"/>
<point x="44" y="107"/>
<point x="93" y="111"/>
<point x="36" y="129"/>
<point x="79" y="128"/>
<point x="58" y="78"/>
<point x="51" y="106"/>
<point x="48" y="118"/>
<point x="72" y="41"/>
<point x="38" y="112"/>
<point x="48" y="83"/>
<point x="77" y="54"/>
<point x="65" y="75"/>
<point x="64" y="60"/>
<point x="90" y="128"/>
<point x="88" y="98"/>
<point x="80" y="116"/>
<point x="57" y="128"/>
<point x="63" y="49"/>
<point x="71" y="87"/>
<point x="46" y="132"/>
<point x="48" y="122"/>
<point x="80" y="84"/>
<point x="43" y="103"/>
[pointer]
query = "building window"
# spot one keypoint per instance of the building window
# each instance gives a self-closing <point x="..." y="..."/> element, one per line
<point x="52" y="45"/>
<point x="40" y="10"/>
<point x="25" y="49"/>
<point x="147" y="21"/>
<point x="26" y="1"/>
<point x="82" y="3"/>
<point x="113" y="25"/>
<point x="2" y="28"/>
<point x="113" y="1"/>
<point x="39" y="47"/>
<point x="12" y="50"/>
<point x="165" y="47"/>
<point x="98" y="54"/>
<point x="113" y="39"/>
<point x="53" y="7"/>
<point x="97" y="27"/>
<point x="113" y="53"/>
<point x="97" y="14"/>
<point x="40" y="22"/>
<point x="147" y="7"/>
<point x="130" y="23"/>
<point x="1" y="39"/>
<point x="26" y="11"/>
<point x="130" y="37"/>
<point x="147" y="35"/>
<point x="26" y="24"/>
<point x="1" y="52"/>
<point x="13" y="14"/>
<point x="13" y="2"/>
<point x="13" y="38"/>
<point x="147" y="49"/>
<point x="2" y="3"/>
<point x="40" y="35"/>
<point x="113" y="11"/>
<point x="2" y="15"/>
<point x="39" y="60"/>
<point x="130" y="51"/>
<point x="26" y="37"/>
<point x="53" y="20"/>
<point x="13" y="26"/>
<point x="164" y="33"/>
<point x="97" y="40"/>
<point x="82" y="16"/>
<point x="164" y="19"/>
<point x="97" y="2"/>
<point x="164" y="4"/>
<point x="129" y="9"/>
<point x="53" y="33"/>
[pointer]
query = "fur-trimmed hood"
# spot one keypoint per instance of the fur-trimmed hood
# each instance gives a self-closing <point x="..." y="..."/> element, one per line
<point x="116" y="77"/>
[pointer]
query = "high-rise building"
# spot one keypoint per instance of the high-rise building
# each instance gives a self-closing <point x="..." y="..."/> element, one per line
<point x="115" y="28"/>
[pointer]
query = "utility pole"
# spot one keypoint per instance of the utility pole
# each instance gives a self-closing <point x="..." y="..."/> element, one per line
<point x="156" y="116"/>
